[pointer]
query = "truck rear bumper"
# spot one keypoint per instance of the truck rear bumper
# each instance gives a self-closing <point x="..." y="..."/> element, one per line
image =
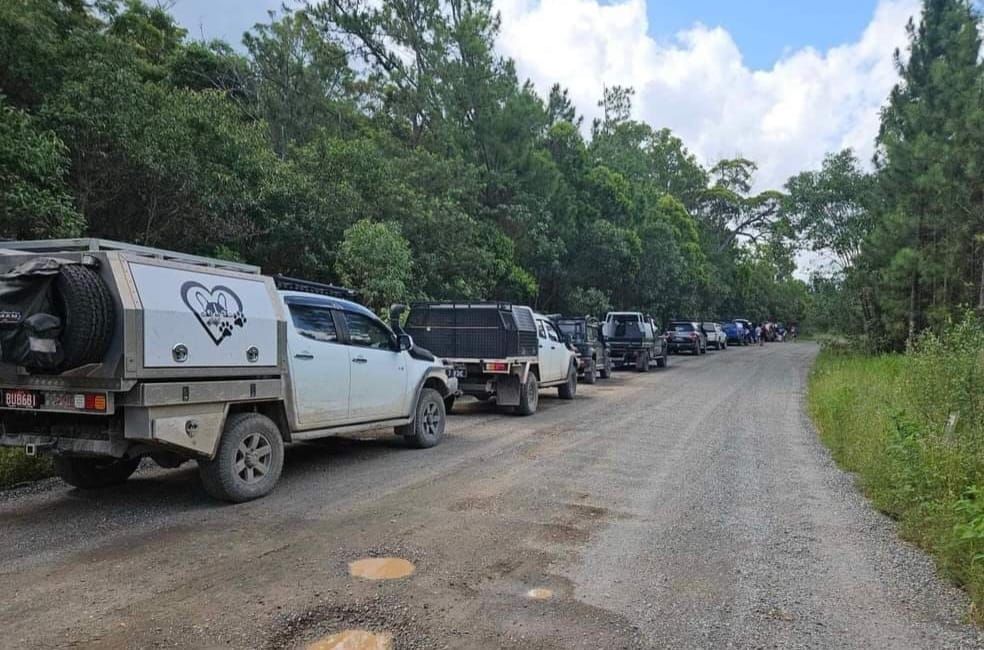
<point x="35" y="444"/>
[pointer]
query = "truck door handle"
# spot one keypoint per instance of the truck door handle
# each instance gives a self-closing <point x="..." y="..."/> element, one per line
<point x="359" y="360"/>
<point x="306" y="356"/>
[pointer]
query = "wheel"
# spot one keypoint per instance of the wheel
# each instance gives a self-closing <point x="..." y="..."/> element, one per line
<point x="448" y="403"/>
<point x="92" y="473"/>
<point x="529" y="396"/>
<point x="86" y="308"/>
<point x="663" y="361"/>
<point x="427" y="428"/>
<point x="248" y="462"/>
<point x="568" y="389"/>
<point x="717" y="345"/>
<point x="696" y="351"/>
<point x="606" y="368"/>
<point x="703" y="350"/>
<point x="590" y="373"/>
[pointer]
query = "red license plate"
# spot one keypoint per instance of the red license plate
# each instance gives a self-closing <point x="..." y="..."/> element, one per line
<point x="21" y="399"/>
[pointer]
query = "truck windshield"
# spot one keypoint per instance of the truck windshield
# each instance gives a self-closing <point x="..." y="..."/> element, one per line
<point x="573" y="329"/>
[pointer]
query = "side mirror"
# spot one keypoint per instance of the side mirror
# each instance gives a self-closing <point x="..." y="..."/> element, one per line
<point x="404" y="342"/>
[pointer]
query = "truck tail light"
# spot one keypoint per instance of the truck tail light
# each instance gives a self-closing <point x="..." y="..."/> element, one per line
<point x="95" y="402"/>
<point x="497" y="366"/>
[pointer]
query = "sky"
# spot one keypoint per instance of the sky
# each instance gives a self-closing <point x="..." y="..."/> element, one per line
<point x="781" y="82"/>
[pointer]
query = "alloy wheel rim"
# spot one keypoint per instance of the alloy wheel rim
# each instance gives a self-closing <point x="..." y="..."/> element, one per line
<point x="253" y="458"/>
<point x="431" y="419"/>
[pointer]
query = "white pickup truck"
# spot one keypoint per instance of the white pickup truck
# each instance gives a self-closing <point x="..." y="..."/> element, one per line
<point x="113" y="352"/>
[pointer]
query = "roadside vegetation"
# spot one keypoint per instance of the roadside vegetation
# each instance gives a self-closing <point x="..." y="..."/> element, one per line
<point x="912" y="427"/>
<point x="16" y="467"/>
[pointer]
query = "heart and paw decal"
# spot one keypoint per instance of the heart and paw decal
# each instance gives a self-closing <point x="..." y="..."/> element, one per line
<point x="219" y="309"/>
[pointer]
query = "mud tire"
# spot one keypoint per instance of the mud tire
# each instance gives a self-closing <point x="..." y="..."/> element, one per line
<point x="220" y="476"/>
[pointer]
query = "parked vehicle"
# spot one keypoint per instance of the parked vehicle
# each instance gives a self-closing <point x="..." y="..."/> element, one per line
<point x="584" y="333"/>
<point x="736" y="333"/>
<point x="686" y="335"/>
<point x="497" y="350"/>
<point x="113" y="352"/>
<point x="749" y="330"/>
<point x="715" y="335"/>
<point x="635" y="339"/>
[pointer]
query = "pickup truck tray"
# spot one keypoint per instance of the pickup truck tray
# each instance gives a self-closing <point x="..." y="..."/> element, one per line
<point x="485" y="330"/>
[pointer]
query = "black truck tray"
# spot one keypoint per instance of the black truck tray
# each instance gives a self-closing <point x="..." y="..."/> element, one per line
<point x="477" y="330"/>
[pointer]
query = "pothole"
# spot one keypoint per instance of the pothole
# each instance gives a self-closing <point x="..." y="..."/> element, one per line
<point x="353" y="640"/>
<point x="381" y="568"/>
<point x="539" y="593"/>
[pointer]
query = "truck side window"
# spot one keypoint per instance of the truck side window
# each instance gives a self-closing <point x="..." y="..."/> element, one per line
<point x="314" y="322"/>
<point x="367" y="333"/>
<point x="539" y="329"/>
<point x="552" y="332"/>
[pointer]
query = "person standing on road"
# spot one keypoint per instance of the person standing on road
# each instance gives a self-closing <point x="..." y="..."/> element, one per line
<point x="759" y="334"/>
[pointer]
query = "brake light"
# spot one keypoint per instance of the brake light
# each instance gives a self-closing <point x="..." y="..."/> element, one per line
<point x="497" y="366"/>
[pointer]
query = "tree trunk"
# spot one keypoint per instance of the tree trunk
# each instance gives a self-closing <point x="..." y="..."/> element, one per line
<point x="913" y="285"/>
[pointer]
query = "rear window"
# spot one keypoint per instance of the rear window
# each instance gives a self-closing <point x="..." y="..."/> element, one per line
<point x="625" y="319"/>
<point x="573" y="329"/>
<point x="681" y="327"/>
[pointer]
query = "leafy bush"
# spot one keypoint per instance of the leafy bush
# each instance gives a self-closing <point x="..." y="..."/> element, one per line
<point x="16" y="467"/>
<point x="912" y="427"/>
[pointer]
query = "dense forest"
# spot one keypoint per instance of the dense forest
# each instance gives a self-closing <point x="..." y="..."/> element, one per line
<point x="391" y="148"/>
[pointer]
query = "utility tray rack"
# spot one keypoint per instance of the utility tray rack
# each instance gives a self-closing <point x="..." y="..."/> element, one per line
<point x="306" y="286"/>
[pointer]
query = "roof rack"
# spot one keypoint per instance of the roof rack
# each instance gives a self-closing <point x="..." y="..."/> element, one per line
<point x="306" y="286"/>
<point x="94" y="245"/>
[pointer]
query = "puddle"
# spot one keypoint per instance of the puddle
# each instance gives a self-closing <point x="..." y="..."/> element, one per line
<point x="353" y="640"/>
<point x="380" y="568"/>
<point x="539" y="594"/>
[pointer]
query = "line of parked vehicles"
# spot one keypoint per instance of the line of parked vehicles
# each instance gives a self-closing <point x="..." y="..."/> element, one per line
<point x="111" y="353"/>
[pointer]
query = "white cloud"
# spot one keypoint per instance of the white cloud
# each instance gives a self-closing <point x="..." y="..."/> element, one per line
<point x="785" y="118"/>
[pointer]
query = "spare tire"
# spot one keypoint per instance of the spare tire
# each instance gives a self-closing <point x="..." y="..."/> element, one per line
<point x="88" y="317"/>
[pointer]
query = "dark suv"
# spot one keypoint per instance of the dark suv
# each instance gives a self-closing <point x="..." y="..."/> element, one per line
<point x="686" y="335"/>
<point x="585" y="335"/>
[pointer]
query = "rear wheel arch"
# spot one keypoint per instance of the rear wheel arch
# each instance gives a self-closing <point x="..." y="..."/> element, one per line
<point x="275" y="410"/>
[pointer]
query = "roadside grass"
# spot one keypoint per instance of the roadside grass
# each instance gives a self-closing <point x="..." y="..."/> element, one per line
<point x="912" y="427"/>
<point x="17" y="467"/>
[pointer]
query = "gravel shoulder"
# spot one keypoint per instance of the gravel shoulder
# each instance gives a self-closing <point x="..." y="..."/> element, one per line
<point x="692" y="507"/>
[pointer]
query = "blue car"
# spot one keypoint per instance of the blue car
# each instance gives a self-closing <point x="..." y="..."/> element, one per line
<point x="737" y="332"/>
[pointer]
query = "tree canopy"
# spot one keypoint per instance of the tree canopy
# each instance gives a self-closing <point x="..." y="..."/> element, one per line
<point x="385" y="145"/>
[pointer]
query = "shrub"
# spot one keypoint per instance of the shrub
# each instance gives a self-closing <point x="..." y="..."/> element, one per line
<point x="912" y="427"/>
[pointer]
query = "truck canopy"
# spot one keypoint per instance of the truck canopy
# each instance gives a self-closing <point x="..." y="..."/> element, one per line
<point x="474" y="330"/>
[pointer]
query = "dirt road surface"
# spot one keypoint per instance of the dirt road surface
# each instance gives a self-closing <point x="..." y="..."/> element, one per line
<point x="685" y="508"/>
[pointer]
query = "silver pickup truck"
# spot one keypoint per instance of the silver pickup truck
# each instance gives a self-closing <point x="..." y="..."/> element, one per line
<point x="111" y="352"/>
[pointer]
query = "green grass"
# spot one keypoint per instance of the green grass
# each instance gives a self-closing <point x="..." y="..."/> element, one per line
<point x="912" y="427"/>
<point x="16" y="467"/>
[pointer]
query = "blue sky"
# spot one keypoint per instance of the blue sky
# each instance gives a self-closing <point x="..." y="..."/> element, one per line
<point x="764" y="30"/>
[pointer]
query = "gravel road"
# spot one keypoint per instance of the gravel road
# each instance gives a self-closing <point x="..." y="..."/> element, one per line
<point x="685" y="508"/>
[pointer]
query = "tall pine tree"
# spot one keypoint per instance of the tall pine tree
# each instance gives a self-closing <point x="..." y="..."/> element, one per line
<point x="930" y="164"/>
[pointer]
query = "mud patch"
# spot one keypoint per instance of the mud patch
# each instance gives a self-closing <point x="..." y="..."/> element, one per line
<point x="353" y="640"/>
<point x="386" y="613"/>
<point x="588" y="511"/>
<point x="381" y="568"/>
<point x="561" y="534"/>
<point x="481" y="503"/>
